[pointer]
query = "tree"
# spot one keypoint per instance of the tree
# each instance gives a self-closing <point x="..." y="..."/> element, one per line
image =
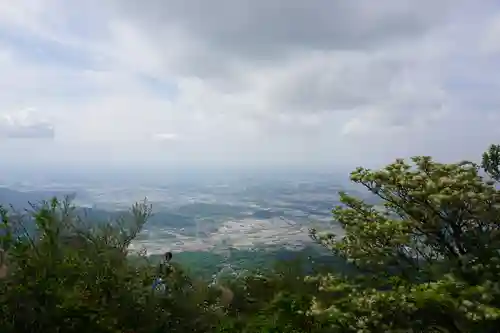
<point x="429" y="253"/>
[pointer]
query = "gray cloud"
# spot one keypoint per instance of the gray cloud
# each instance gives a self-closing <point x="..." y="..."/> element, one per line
<point x="274" y="27"/>
<point x="311" y="56"/>
<point x="39" y="131"/>
<point x="391" y="66"/>
<point x="335" y="81"/>
<point x="212" y="38"/>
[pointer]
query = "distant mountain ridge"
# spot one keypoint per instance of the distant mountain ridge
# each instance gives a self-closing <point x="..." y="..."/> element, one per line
<point x="21" y="199"/>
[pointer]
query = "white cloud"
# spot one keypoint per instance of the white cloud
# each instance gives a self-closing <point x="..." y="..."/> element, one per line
<point x="165" y="137"/>
<point x="251" y="83"/>
<point x="25" y="124"/>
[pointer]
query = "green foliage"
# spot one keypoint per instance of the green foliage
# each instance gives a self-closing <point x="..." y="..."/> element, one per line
<point x="430" y="253"/>
<point x="74" y="279"/>
<point x="491" y="162"/>
<point x="276" y="301"/>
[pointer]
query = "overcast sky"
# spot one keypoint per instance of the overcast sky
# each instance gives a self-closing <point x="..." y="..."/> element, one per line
<point x="246" y="82"/>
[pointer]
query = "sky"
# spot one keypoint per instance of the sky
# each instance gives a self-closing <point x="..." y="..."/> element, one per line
<point x="246" y="83"/>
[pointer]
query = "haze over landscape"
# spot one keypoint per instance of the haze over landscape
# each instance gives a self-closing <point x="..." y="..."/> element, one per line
<point x="239" y="120"/>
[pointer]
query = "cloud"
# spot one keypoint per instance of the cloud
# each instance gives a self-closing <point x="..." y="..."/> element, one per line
<point x="165" y="137"/>
<point x="489" y="41"/>
<point x="254" y="29"/>
<point x="253" y="83"/>
<point x="25" y="125"/>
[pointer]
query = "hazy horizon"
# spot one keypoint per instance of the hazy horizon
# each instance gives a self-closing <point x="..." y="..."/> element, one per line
<point x="163" y="177"/>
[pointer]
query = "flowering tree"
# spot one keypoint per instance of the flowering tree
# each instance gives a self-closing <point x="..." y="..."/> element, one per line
<point x="429" y="254"/>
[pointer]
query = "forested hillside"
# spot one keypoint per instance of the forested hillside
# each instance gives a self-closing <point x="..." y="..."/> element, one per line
<point x="427" y="260"/>
<point x="207" y="264"/>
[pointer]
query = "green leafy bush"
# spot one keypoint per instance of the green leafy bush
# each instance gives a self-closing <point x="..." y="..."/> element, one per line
<point x="73" y="278"/>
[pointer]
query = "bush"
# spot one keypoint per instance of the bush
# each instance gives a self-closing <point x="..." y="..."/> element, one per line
<point x="73" y="278"/>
